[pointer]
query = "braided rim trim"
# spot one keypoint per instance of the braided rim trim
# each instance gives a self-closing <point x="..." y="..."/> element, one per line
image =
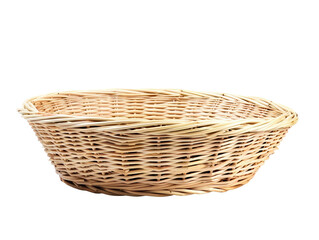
<point x="286" y="119"/>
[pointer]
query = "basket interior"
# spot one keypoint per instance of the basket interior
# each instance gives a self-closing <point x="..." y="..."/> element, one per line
<point x="152" y="106"/>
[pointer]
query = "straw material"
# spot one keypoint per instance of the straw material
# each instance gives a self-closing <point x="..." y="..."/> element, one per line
<point x="156" y="142"/>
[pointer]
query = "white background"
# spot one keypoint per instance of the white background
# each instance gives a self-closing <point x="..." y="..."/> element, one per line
<point x="257" y="48"/>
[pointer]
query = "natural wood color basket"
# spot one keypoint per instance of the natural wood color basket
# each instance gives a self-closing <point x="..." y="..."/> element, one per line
<point x="156" y="142"/>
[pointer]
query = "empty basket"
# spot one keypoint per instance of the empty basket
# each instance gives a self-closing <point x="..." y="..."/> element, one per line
<point x="156" y="142"/>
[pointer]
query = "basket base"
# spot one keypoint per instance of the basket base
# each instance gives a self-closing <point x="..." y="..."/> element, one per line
<point x="156" y="193"/>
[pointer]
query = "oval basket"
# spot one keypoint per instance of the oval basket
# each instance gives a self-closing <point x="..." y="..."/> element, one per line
<point x="156" y="142"/>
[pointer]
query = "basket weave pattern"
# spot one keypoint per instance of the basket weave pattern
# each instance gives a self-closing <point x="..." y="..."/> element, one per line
<point x="156" y="142"/>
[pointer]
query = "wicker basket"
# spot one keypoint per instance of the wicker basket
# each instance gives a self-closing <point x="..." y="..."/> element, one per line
<point x="156" y="142"/>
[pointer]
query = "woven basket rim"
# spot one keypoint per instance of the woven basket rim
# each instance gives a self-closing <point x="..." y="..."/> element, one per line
<point x="286" y="119"/>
